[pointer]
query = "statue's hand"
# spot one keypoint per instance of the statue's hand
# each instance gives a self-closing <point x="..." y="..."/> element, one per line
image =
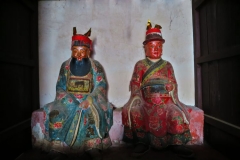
<point x="137" y="102"/>
<point x="84" y="105"/>
<point x="169" y="87"/>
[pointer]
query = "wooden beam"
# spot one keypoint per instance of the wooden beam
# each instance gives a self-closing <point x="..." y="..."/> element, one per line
<point x="223" y="125"/>
<point x="226" y="53"/>
<point x="28" y="4"/>
<point x="197" y="3"/>
<point x="17" y="61"/>
<point x="11" y="131"/>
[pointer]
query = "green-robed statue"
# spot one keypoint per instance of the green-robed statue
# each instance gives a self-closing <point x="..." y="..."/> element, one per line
<point x="80" y="117"/>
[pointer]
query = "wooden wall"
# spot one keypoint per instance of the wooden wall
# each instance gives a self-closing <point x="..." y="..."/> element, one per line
<point x="216" y="26"/>
<point x="19" y="74"/>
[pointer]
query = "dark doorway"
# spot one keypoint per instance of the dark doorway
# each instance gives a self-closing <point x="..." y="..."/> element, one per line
<point x="19" y="74"/>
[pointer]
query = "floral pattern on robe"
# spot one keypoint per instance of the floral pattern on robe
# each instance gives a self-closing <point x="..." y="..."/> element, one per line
<point x="79" y="129"/>
<point x="153" y="115"/>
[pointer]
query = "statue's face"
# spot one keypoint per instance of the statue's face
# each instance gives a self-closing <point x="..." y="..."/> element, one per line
<point x="153" y="49"/>
<point x="80" y="52"/>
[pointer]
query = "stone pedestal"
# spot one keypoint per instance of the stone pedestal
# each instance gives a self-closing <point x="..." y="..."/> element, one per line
<point x="196" y="126"/>
<point x="116" y="132"/>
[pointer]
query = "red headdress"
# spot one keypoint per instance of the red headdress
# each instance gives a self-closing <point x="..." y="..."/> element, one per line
<point x="81" y="40"/>
<point x="153" y="34"/>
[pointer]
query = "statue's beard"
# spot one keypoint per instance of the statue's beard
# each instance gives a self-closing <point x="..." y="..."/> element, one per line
<point x="79" y="58"/>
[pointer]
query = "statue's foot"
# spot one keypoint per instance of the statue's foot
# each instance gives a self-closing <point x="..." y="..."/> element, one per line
<point x="182" y="151"/>
<point x="140" y="150"/>
<point x="95" y="154"/>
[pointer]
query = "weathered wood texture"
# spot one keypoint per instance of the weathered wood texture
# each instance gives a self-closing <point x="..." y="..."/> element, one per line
<point x="19" y="74"/>
<point x="216" y="25"/>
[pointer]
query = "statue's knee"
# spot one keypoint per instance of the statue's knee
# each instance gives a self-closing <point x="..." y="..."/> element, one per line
<point x="53" y="113"/>
<point x="54" y="116"/>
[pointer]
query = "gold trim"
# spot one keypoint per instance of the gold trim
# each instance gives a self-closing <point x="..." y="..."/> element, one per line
<point x="178" y="104"/>
<point x="171" y="94"/>
<point x="95" y="115"/>
<point x="129" y="118"/>
<point x="76" y="130"/>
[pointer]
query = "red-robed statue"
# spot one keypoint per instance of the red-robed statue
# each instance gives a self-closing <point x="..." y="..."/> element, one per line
<point x="154" y="117"/>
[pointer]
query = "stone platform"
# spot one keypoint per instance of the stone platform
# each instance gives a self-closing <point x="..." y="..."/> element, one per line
<point x="196" y="126"/>
<point x="116" y="132"/>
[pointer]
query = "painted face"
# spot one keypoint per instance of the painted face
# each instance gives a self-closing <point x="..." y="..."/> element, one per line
<point x="80" y="52"/>
<point x="153" y="49"/>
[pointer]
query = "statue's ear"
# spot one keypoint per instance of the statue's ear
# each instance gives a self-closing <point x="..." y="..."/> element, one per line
<point x="88" y="34"/>
<point x="74" y="31"/>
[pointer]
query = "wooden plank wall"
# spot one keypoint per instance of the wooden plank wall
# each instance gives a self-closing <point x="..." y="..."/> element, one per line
<point x="216" y="25"/>
<point x="19" y="74"/>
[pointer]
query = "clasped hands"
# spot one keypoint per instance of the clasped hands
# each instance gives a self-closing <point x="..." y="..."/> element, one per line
<point x="169" y="87"/>
<point x="86" y="103"/>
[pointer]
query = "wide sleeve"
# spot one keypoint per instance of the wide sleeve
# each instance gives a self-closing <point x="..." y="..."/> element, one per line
<point x="101" y="108"/>
<point x="61" y="86"/>
<point x="136" y="79"/>
<point x="172" y="80"/>
<point x="99" y="81"/>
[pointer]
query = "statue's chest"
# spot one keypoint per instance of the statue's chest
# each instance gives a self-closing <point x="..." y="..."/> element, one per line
<point x="80" y="69"/>
<point x="80" y="79"/>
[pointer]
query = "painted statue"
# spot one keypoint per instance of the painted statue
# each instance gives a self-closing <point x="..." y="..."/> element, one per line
<point x="154" y="117"/>
<point x="80" y="117"/>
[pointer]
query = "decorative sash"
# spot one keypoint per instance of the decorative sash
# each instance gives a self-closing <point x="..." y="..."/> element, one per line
<point x="153" y="69"/>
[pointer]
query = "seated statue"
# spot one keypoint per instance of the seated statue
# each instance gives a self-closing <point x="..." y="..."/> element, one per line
<point x="154" y="117"/>
<point x="80" y="117"/>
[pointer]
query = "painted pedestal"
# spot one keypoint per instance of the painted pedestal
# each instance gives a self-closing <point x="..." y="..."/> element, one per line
<point x="116" y="132"/>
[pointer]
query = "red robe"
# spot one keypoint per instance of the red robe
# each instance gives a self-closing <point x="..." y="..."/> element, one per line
<point x="153" y="115"/>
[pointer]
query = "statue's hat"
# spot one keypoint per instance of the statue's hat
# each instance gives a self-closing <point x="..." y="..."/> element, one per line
<point x="81" y="39"/>
<point x="153" y="34"/>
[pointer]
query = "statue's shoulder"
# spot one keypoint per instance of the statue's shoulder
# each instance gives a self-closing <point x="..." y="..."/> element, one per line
<point x="66" y="62"/>
<point x="142" y="61"/>
<point x="65" y="66"/>
<point x="168" y="63"/>
<point x="97" y="66"/>
<point x="97" y="63"/>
